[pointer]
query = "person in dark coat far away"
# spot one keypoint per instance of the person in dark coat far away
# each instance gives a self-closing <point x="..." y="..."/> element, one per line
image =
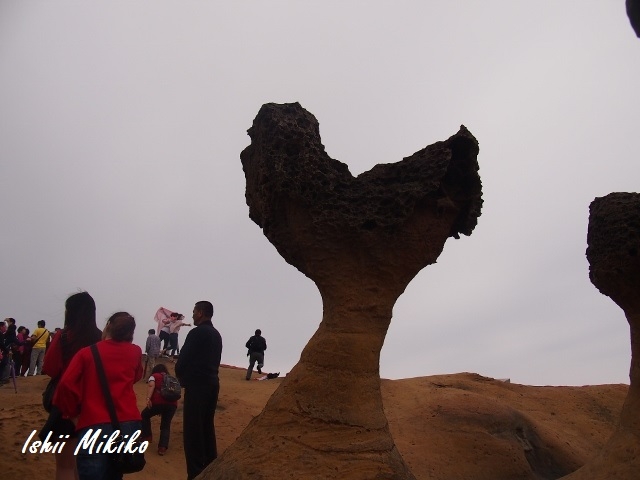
<point x="256" y="346"/>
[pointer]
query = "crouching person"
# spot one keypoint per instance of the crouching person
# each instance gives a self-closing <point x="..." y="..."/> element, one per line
<point x="157" y="405"/>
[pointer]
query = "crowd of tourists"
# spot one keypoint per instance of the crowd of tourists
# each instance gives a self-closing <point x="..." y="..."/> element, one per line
<point x="91" y="390"/>
<point x="22" y="349"/>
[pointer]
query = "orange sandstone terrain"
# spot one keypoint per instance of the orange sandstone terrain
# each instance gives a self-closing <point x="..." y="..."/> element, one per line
<point x="461" y="426"/>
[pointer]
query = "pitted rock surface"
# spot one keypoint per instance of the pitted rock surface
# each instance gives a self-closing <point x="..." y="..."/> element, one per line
<point x="361" y="240"/>
<point x="614" y="247"/>
<point x="613" y="251"/>
<point x="287" y="159"/>
<point x="633" y="12"/>
<point x="297" y="193"/>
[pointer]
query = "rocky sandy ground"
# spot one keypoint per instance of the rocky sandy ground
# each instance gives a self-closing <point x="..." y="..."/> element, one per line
<point x="461" y="426"/>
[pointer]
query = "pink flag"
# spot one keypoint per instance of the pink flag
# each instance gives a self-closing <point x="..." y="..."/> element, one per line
<point x="163" y="316"/>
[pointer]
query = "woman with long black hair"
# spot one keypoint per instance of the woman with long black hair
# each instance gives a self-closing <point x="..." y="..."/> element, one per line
<point x="79" y="331"/>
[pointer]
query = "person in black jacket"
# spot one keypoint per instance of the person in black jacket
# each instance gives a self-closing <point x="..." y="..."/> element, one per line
<point x="4" y="354"/>
<point x="197" y="369"/>
<point x="256" y="345"/>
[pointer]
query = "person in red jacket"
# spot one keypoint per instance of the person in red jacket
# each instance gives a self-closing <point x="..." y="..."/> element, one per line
<point x="156" y="405"/>
<point x="79" y="331"/>
<point x="79" y="395"/>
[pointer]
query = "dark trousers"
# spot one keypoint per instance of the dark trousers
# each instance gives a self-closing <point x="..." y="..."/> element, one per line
<point x="165" y="338"/>
<point x="253" y="358"/>
<point x="4" y="366"/>
<point x="97" y="466"/>
<point x="199" y="407"/>
<point x="26" y="360"/>
<point x="17" y="363"/>
<point x="173" y="343"/>
<point x="166" y="413"/>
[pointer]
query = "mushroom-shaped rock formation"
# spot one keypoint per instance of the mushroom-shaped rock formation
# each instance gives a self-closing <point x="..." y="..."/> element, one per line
<point x="633" y="12"/>
<point x="361" y="240"/>
<point x="614" y="268"/>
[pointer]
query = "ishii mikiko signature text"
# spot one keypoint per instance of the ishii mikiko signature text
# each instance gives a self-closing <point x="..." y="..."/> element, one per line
<point x="92" y="441"/>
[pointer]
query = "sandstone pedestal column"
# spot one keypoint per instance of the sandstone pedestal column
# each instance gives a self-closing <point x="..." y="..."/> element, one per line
<point x="614" y="268"/>
<point x="361" y="240"/>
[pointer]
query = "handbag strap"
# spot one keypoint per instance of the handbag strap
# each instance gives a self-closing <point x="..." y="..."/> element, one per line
<point x="41" y="335"/>
<point x="105" y="388"/>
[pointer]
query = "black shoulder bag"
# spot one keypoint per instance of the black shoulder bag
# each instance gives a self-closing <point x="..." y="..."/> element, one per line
<point x="123" y="462"/>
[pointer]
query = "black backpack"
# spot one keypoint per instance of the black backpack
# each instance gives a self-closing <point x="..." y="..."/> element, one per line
<point x="170" y="389"/>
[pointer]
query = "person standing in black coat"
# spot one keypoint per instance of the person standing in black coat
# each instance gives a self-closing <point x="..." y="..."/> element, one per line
<point x="4" y="353"/>
<point x="197" y="369"/>
<point x="256" y="345"/>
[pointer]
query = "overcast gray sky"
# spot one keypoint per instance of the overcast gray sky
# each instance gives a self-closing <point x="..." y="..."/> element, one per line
<point x="121" y="126"/>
